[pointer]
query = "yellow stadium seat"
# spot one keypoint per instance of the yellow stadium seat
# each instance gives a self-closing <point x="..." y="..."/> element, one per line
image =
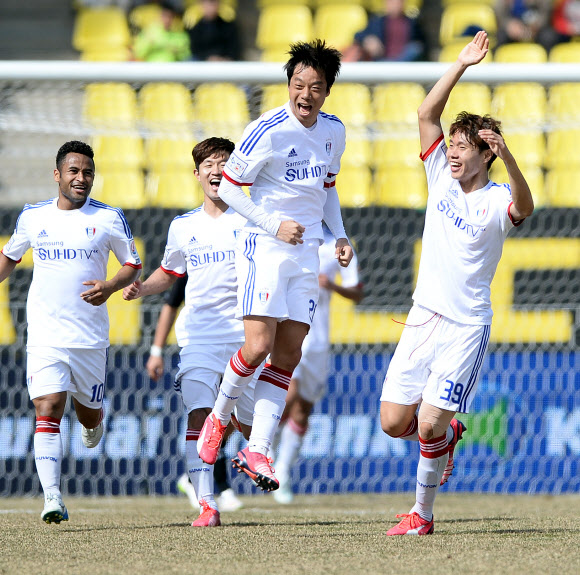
<point x="338" y="23"/>
<point x="562" y="149"/>
<point x="121" y="189"/>
<point x="358" y="149"/>
<point x="519" y="104"/>
<point x="534" y="177"/>
<point x="397" y="151"/>
<point x="528" y="147"/>
<point x="350" y="102"/>
<point x="193" y="14"/>
<point x="446" y="3"/>
<point x="563" y="107"/>
<point x="354" y="187"/>
<point x="174" y="189"/>
<point x="110" y="105"/>
<point x="143" y="15"/>
<point x="165" y="106"/>
<point x="266" y="3"/>
<point x="401" y="187"/>
<point x="273" y="95"/>
<point x="395" y="105"/>
<point x="469" y="97"/>
<point x="562" y="187"/>
<point x="222" y="109"/>
<point x="412" y="7"/>
<point x="450" y="51"/>
<point x="124" y="316"/>
<point x="107" y="54"/>
<point x="457" y="17"/>
<point x="521" y="52"/>
<point x="275" y="54"/>
<point x="281" y="25"/>
<point x="566" y="53"/>
<point x="97" y="28"/>
<point x="113" y="152"/>
<point x="169" y="153"/>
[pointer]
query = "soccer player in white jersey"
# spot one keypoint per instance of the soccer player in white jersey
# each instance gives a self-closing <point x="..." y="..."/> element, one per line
<point x="71" y="237"/>
<point x="437" y="363"/>
<point x="201" y="243"/>
<point x="290" y="157"/>
<point x="310" y="377"/>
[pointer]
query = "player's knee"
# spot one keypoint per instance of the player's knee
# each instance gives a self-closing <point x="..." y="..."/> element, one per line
<point x="256" y="351"/>
<point x="392" y="426"/>
<point x="429" y="430"/>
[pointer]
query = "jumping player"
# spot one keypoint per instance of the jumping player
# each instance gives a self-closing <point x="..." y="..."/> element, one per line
<point x="290" y="157"/>
<point x="201" y="243"/>
<point x="310" y="377"/>
<point x="71" y="237"/>
<point x="437" y="362"/>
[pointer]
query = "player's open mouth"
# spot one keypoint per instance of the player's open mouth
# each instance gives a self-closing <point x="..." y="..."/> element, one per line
<point x="215" y="182"/>
<point x="304" y="108"/>
<point x="454" y="166"/>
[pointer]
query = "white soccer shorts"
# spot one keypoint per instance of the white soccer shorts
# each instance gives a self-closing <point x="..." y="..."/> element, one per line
<point x="276" y="279"/>
<point x="437" y="361"/>
<point x="78" y="371"/>
<point x="312" y="374"/>
<point x="201" y="367"/>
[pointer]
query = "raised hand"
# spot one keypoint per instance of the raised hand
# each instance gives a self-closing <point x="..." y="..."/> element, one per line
<point x="476" y="50"/>
<point x="495" y="142"/>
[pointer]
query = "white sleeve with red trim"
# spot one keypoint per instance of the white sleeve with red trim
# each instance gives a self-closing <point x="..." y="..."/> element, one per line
<point x="173" y="261"/>
<point x="435" y="161"/>
<point x="19" y="243"/>
<point x="234" y="197"/>
<point x="123" y="244"/>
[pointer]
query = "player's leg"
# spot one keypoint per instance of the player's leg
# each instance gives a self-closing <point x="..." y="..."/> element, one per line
<point x="260" y="333"/>
<point x="48" y="381"/>
<point x="226" y="497"/>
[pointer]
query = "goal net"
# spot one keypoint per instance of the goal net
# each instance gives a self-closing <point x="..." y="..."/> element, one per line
<point x="143" y="119"/>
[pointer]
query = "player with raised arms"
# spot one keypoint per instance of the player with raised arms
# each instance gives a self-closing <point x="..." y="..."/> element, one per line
<point x="71" y="237"/>
<point x="437" y="363"/>
<point x="290" y="157"/>
<point x="201" y="244"/>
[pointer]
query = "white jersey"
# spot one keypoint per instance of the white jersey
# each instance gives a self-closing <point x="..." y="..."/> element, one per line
<point x="288" y="166"/>
<point x="462" y="243"/>
<point x="69" y="247"/>
<point x="318" y="337"/>
<point x="204" y="248"/>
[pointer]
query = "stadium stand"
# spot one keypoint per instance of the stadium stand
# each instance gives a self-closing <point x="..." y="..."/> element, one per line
<point x="338" y="23"/>
<point x="522" y="52"/>
<point x="459" y="17"/>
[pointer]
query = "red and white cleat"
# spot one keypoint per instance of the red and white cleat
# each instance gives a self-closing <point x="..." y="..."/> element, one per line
<point x="458" y="429"/>
<point x="412" y="524"/>
<point x="209" y="517"/>
<point x="210" y="439"/>
<point x="257" y="467"/>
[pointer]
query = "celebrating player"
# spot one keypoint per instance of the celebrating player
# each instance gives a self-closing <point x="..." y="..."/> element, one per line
<point x="309" y="379"/>
<point x="68" y="326"/>
<point x="227" y="500"/>
<point x="437" y="362"/>
<point x="290" y="157"/>
<point x="201" y="243"/>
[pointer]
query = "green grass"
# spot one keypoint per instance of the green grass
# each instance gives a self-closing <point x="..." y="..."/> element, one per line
<point x="315" y="535"/>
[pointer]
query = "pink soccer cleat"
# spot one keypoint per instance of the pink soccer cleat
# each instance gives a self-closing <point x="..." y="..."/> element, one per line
<point x="412" y="524"/>
<point x="210" y="439"/>
<point x="458" y="429"/>
<point x="208" y="517"/>
<point x="257" y="467"/>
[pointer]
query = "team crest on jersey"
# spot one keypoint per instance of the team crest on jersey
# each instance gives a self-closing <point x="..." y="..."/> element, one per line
<point x="263" y="295"/>
<point x="328" y="147"/>
<point x="237" y="165"/>
<point x="481" y="213"/>
<point x="237" y="233"/>
<point x="133" y="249"/>
<point x="91" y="232"/>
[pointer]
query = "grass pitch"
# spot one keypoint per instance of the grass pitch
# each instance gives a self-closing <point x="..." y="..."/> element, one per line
<point x="315" y="535"/>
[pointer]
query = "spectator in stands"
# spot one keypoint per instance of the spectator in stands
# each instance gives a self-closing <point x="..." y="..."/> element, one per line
<point x="213" y="38"/>
<point x="392" y="37"/>
<point x="565" y="21"/>
<point x="163" y="41"/>
<point x="523" y="21"/>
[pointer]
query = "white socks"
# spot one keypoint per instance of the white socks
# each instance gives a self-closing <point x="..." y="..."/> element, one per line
<point x="200" y="473"/>
<point x="292" y="437"/>
<point x="48" y="453"/>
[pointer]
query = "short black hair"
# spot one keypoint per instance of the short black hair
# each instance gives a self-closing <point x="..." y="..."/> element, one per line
<point x="73" y="147"/>
<point x="316" y="55"/>
<point x="209" y="147"/>
<point x="470" y="124"/>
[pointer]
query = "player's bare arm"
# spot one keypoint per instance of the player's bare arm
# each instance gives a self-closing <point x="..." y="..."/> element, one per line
<point x="103" y="289"/>
<point x="343" y="252"/>
<point x="523" y="203"/>
<point x="430" y="111"/>
<point x="156" y="283"/>
<point x="6" y="267"/>
<point x="290" y="232"/>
